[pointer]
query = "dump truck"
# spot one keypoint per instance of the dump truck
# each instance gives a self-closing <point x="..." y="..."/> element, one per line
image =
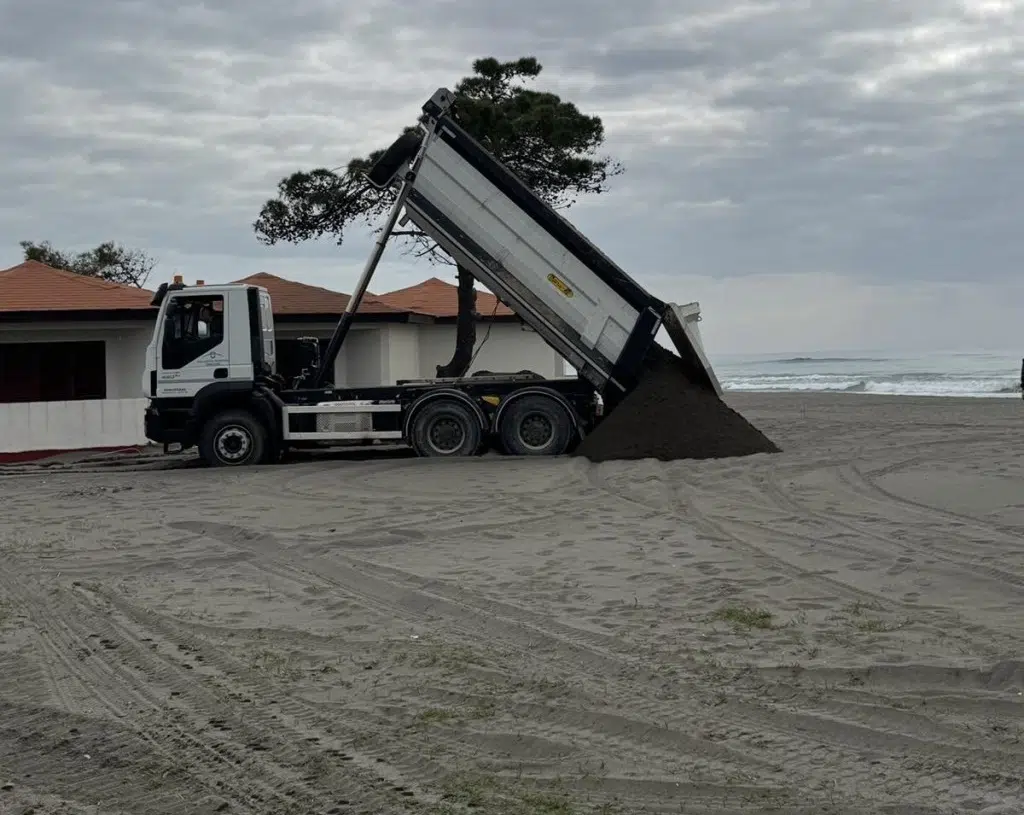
<point x="211" y="376"/>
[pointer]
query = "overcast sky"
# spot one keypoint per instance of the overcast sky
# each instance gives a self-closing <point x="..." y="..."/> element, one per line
<point x="819" y="174"/>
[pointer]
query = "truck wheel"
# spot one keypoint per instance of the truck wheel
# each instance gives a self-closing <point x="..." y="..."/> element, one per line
<point x="446" y="427"/>
<point x="233" y="438"/>
<point x="536" y="426"/>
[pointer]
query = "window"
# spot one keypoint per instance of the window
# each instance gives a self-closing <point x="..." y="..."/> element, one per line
<point x="52" y="371"/>
<point x="193" y="326"/>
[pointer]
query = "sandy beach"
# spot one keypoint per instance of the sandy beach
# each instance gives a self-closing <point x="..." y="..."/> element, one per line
<point x="838" y="628"/>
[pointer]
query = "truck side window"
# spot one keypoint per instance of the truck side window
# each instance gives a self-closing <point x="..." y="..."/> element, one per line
<point x="193" y="326"/>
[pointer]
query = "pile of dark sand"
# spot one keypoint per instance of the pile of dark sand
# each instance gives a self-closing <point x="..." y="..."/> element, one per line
<point x="668" y="417"/>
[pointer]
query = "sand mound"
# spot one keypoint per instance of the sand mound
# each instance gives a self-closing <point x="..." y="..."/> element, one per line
<point x="668" y="417"/>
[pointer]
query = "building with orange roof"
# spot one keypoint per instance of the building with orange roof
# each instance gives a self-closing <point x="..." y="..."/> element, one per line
<point x="300" y="300"/>
<point x="441" y="300"/>
<point x="72" y="348"/>
<point x="33" y="289"/>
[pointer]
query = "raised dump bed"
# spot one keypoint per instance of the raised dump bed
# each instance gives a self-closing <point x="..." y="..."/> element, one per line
<point x="586" y="307"/>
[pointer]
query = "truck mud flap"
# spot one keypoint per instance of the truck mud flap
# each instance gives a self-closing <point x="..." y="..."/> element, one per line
<point x="681" y="325"/>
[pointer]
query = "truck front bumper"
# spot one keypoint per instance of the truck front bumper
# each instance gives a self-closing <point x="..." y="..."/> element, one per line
<point x="164" y="426"/>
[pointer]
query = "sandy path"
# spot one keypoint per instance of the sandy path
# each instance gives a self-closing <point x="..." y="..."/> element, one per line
<point x="834" y="629"/>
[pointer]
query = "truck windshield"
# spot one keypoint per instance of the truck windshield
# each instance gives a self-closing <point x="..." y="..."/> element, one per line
<point x="193" y="326"/>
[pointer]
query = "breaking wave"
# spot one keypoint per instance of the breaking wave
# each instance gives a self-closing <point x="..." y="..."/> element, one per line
<point x="910" y="384"/>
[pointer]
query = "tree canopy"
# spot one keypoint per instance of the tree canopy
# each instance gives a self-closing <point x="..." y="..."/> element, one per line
<point x="548" y="142"/>
<point x="108" y="261"/>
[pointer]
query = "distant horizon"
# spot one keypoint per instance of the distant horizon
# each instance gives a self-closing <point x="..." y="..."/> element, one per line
<point x="861" y="354"/>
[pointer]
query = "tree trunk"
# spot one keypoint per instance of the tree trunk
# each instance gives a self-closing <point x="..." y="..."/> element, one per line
<point x="465" y="328"/>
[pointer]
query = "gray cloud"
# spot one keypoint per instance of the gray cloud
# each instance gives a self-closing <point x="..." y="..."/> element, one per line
<point x="873" y="141"/>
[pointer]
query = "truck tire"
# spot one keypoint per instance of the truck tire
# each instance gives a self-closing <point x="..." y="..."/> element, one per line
<point x="233" y="438"/>
<point x="446" y="427"/>
<point x="536" y="425"/>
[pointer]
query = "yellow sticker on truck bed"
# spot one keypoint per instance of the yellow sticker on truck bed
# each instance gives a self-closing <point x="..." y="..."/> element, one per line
<point x="560" y="284"/>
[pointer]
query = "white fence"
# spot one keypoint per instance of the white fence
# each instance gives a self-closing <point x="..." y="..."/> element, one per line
<point x="77" y="425"/>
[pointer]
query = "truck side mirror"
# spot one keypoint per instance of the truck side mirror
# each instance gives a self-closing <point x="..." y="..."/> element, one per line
<point x="203" y="329"/>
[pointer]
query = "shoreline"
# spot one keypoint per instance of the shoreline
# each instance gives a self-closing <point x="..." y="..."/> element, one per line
<point x="775" y="409"/>
<point x="814" y="394"/>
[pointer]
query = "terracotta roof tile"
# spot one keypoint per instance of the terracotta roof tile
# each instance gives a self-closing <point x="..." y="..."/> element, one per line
<point x="34" y="286"/>
<point x="291" y="297"/>
<point x="441" y="299"/>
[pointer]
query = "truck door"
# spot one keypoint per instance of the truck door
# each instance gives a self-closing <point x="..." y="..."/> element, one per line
<point x="194" y="350"/>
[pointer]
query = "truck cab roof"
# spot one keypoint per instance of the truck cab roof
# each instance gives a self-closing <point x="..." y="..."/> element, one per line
<point x="178" y="285"/>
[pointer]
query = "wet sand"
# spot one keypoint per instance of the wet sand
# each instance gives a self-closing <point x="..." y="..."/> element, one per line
<point x="834" y="629"/>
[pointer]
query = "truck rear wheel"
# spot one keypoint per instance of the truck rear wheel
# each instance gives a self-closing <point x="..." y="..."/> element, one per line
<point x="234" y="438"/>
<point x="446" y="427"/>
<point x="536" y="425"/>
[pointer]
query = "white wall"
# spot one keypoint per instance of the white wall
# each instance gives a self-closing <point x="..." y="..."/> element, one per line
<point x="77" y="425"/>
<point x="364" y="357"/>
<point x="403" y="358"/>
<point x="507" y="349"/>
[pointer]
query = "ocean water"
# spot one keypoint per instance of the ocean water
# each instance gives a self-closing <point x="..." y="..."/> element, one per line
<point x="981" y="374"/>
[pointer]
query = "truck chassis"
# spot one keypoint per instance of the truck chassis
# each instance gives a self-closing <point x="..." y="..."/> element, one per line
<point x="516" y="414"/>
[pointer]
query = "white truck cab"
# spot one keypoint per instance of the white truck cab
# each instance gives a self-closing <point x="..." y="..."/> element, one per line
<point x="209" y="335"/>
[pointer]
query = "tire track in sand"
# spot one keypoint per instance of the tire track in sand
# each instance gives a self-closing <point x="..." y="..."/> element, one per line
<point x="865" y="485"/>
<point x="799" y="735"/>
<point x="775" y="500"/>
<point x="896" y="540"/>
<point x="530" y="635"/>
<point x="97" y="690"/>
<point x="944" y="773"/>
<point x="404" y="748"/>
<point x="230" y="748"/>
<point x="358" y="736"/>
<point x="717" y="530"/>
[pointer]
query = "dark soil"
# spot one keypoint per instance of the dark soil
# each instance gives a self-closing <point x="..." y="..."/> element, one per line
<point x="668" y="417"/>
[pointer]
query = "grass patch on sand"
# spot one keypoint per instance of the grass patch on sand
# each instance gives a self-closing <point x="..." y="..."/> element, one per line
<point x="876" y="626"/>
<point x="278" y="665"/>
<point x="435" y="715"/>
<point x="427" y="653"/>
<point x="483" y="709"/>
<point x="6" y="614"/>
<point x="855" y="616"/>
<point x="477" y="793"/>
<point x="745" y="617"/>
